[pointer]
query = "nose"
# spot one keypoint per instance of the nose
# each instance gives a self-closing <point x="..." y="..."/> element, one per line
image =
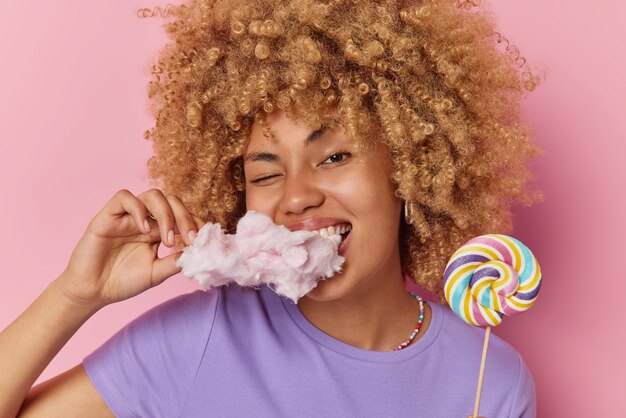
<point x="300" y="193"/>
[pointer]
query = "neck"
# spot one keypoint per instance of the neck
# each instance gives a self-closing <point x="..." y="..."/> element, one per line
<point x="378" y="315"/>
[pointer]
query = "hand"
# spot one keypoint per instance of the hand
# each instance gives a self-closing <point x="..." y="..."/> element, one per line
<point x="116" y="258"/>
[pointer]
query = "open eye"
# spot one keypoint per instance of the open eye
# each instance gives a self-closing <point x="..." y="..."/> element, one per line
<point x="337" y="157"/>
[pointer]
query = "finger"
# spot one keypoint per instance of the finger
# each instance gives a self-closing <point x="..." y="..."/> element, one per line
<point x="199" y="222"/>
<point x="157" y="236"/>
<point x="124" y="204"/>
<point x="159" y="207"/>
<point x="155" y="230"/>
<point x="184" y="220"/>
<point x="165" y="267"/>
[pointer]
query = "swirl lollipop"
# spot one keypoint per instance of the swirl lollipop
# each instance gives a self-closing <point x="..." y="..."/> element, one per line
<point x="486" y="278"/>
<point x="491" y="276"/>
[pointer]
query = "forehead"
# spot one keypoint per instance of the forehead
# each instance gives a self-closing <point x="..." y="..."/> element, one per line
<point x="279" y="132"/>
<point x="278" y="129"/>
<point x="280" y="135"/>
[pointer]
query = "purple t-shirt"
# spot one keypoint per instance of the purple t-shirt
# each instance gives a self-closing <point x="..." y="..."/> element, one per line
<point x="231" y="352"/>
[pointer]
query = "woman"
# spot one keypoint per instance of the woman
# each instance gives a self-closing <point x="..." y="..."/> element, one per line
<point x="396" y="122"/>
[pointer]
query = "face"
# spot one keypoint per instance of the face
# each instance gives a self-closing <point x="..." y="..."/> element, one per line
<point x="315" y="180"/>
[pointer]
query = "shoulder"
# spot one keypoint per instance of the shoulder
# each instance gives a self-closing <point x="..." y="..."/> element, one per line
<point x="244" y="310"/>
<point x="506" y="372"/>
<point x="147" y="367"/>
<point x="182" y="309"/>
<point x="194" y="303"/>
<point x="181" y="317"/>
<point x="461" y="336"/>
<point x="202" y="309"/>
<point x="180" y="323"/>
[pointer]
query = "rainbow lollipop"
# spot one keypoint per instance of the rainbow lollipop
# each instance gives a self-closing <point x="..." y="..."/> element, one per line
<point x="491" y="276"/>
<point x="488" y="277"/>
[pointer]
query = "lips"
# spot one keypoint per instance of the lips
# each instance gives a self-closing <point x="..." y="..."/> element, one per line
<point x="315" y="224"/>
<point x="345" y="242"/>
<point x="340" y="229"/>
<point x="326" y="227"/>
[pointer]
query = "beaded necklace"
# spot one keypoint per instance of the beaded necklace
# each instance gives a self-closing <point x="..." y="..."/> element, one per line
<point x="417" y="327"/>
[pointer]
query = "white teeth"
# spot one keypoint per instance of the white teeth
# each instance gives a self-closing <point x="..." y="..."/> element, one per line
<point x="334" y="229"/>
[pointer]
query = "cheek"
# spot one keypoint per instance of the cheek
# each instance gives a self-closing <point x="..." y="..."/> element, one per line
<point x="258" y="201"/>
<point x="367" y="191"/>
<point x="253" y="201"/>
<point x="376" y="213"/>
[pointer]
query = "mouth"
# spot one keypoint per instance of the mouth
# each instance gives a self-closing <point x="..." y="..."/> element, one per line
<point x="342" y="229"/>
<point x="345" y="241"/>
<point x="327" y="227"/>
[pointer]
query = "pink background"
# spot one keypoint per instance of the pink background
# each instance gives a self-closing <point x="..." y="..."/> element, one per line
<point x="72" y="110"/>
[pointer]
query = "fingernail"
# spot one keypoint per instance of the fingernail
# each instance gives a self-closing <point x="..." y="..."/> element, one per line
<point x="192" y="235"/>
<point x="170" y="237"/>
<point x="146" y="225"/>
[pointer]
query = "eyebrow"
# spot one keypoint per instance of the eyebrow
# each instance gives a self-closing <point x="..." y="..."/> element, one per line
<point x="266" y="156"/>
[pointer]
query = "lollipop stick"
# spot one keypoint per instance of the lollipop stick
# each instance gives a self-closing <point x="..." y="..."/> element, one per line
<point x="481" y="374"/>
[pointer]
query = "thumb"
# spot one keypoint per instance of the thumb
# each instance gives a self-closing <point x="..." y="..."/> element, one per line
<point x="164" y="268"/>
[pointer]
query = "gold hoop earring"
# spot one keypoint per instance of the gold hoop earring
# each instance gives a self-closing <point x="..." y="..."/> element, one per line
<point x="408" y="212"/>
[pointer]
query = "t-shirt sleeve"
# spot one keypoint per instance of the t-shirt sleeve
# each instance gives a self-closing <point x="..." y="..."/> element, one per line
<point x="147" y="368"/>
<point x="525" y="399"/>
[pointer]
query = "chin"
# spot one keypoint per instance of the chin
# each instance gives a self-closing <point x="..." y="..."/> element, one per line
<point x="329" y="289"/>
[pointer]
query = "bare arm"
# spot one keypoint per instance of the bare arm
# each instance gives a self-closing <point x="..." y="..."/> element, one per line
<point x="32" y="341"/>
<point x="69" y="394"/>
<point x="114" y="260"/>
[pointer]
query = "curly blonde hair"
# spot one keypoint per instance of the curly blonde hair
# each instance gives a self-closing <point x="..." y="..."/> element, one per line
<point x="429" y="76"/>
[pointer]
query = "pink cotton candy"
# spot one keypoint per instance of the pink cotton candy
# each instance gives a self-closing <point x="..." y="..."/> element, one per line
<point x="261" y="252"/>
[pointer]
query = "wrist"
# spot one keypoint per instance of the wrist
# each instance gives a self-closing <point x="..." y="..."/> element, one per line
<point x="72" y="302"/>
